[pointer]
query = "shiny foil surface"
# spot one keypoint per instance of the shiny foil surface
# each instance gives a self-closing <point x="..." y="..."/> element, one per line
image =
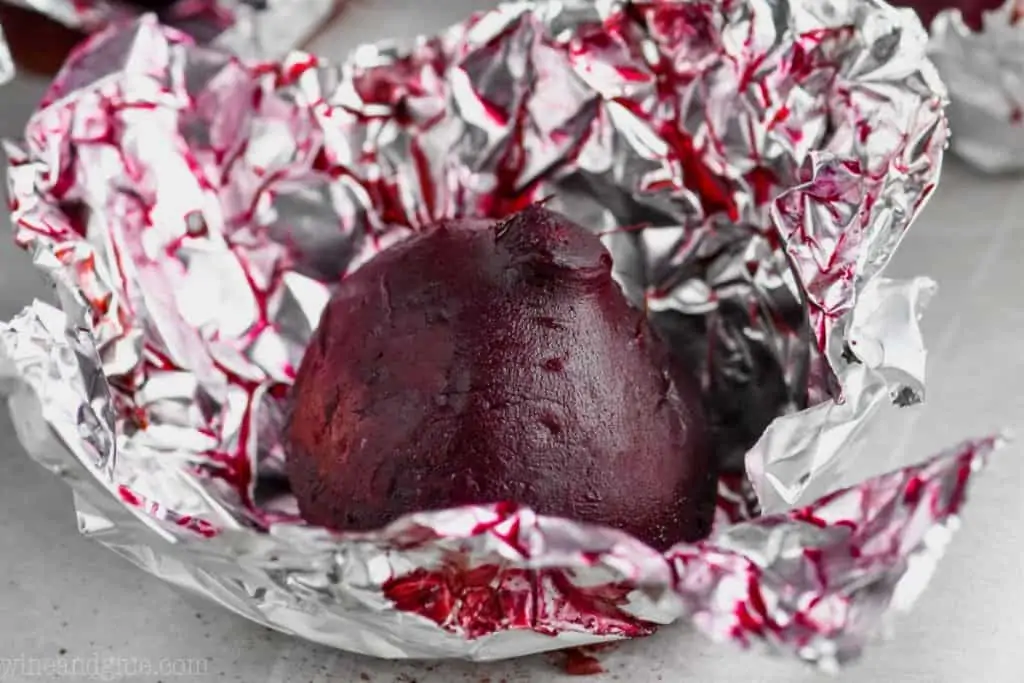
<point x="984" y="71"/>
<point x="751" y="165"/>
<point x="251" y="28"/>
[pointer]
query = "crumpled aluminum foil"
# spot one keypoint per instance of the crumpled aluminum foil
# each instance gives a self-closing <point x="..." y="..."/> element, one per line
<point x="984" y="71"/>
<point x="251" y="28"/>
<point x="752" y="166"/>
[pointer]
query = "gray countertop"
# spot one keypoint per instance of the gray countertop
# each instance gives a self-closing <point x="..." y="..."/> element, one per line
<point x="64" y="597"/>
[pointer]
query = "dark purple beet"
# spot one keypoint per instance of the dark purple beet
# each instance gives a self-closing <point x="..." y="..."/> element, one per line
<point x="971" y="9"/>
<point x="151" y="5"/>
<point x="486" y="362"/>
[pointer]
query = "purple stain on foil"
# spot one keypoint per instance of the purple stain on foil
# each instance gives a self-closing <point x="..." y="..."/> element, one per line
<point x="751" y="166"/>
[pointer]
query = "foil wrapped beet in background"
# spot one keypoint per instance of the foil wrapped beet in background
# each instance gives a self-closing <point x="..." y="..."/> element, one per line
<point x="981" y="60"/>
<point x="252" y="28"/>
<point x="6" y="63"/>
<point x="751" y="166"/>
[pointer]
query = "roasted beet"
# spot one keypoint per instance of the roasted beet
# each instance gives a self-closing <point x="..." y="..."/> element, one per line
<point x="485" y="362"/>
<point x="971" y="10"/>
<point x="38" y="44"/>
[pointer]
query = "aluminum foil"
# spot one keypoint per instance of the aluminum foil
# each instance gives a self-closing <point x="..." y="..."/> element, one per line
<point x="751" y="166"/>
<point x="251" y="28"/>
<point x="984" y="70"/>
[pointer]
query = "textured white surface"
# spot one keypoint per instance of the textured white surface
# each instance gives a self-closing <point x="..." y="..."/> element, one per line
<point x="63" y="597"/>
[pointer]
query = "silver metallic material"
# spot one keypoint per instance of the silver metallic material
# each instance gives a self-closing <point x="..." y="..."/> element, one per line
<point x="984" y="71"/>
<point x="751" y="165"/>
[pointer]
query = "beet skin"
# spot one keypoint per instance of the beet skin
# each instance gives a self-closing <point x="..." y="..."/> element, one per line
<point x="485" y="362"/>
<point x="970" y="10"/>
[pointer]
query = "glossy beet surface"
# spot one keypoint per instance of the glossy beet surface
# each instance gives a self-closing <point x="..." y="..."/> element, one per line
<point x="487" y="362"/>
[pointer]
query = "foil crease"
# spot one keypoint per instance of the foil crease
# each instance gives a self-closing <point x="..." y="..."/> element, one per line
<point x="984" y="71"/>
<point x="251" y="28"/>
<point x="751" y="166"/>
